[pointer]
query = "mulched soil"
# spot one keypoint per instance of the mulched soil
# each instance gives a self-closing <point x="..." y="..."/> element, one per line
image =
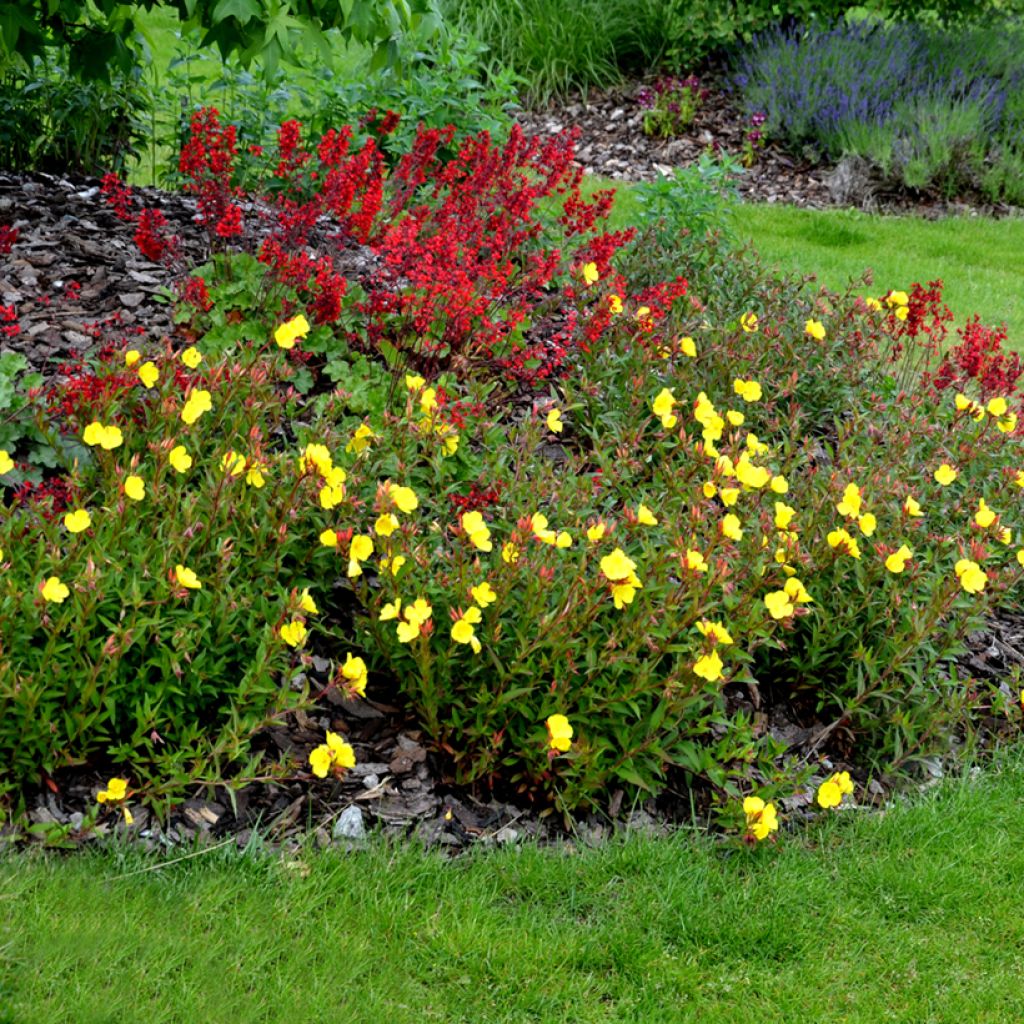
<point x="67" y="234"/>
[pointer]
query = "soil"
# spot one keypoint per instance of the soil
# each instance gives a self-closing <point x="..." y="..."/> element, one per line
<point x="66" y="234"/>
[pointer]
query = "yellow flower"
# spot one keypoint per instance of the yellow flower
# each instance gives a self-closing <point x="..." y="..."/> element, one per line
<point x="897" y="299"/>
<point x="107" y="438"/>
<point x="985" y="516"/>
<point x="1020" y="557"/>
<point x="645" y="516"/>
<point x="829" y="794"/>
<point x="912" y="507"/>
<point x="186" y="577"/>
<point x="191" y="357"/>
<point x="354" y="673"/>
<point x="851" y="504"/>
<point x="662" y="407"/>
<point x="416" y="616"/>
<point x="335" y="753"/>
<point x="708" y="666"/>
<point x="617" y="566"/>
<point x="751" y="476"/>
<point x="872" y="304"/>
<point x="762" y="818"/>
<point x="330" y="496"/>
<point x="291" y="331"/>
<point x="783" y="515"/>
<point x="413" y="381"/>
<point x="779" y="604"/>
<point x="694" y="561"/>
<point x="254" y="475"/>
<point x="404" y="498"/>
<point x="6" y="462"/>
<point x="462" y="628"/>
<point x="395" y="564"/>
<point x="714" y="631"/>
<point x="135" y="487"/>
<point x="359" y="550"/>
<point x="972" y="577"/>
<point x="293" y="633"/>
<point x="53" y="590"/>
<point x="708" y="489"/>
<point x="391" y="610"/>
<point x="1005" y="535"/>
<point x="559" y="732"/>
<point x="483" y="594"/>
<point x="116" y="791"/>
<point x="945" y="474"/>
<point x="476" y="530"/>
<point x="997" y="407"/>
<point x="386" y="524"/>
<point x="307" y="604"/>
<point x="232" y="463"/>
<point x="614" y="304"/>
<point x="1007" y="424"/>
<point x="841" y="539"/>
<point x="77" y="521"/>
<point x="590" y="274"/>
<point x="554" y="421"/>
<point x="360" y="440"/>
<point x="902" y="312"/>
<point x="964" y="404"/>
<point x="510" y="553"/>
<point x="731" y="527"/>
<point x="195" y="405"/>
<point x="596" y="531"/>
<point x="779" y="485"/>
<point x="642" y="313"/>
<point x="1019" y="478"/>
<point x="316" y="456"/>
<point x="897" y="561"/>
<point x="132" y="356"/>
<point x="729" y="496"/>
<point x="816" y="329"/>
<point x="329" y="538"/>
<point x="149" y="374"/>
<point x="179" y="458"/>
<point x="449" y="443"/>
<point x="749" y="322"/>
<point x="428" y="401"/>
<point x="748" y="390"/>
<point x="688" y="348"/>
<point x="867" y="523"/>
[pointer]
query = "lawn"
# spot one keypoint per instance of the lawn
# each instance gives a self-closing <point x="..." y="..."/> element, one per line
<point x="911" y="916"/>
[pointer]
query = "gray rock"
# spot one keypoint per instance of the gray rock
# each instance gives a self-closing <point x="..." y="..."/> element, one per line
<point x="349" y="824"/>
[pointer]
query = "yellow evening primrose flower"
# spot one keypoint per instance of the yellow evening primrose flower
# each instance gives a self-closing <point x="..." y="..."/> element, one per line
<point x="815" y="329"/>
<point x="149" y="374"/>
<point x="395" y="564"/>
<point x="192" y="357"/>
<point x="462" y="628"/>
<point x="6" y="462"/>
<point x="748" y="390"/>
<point x="254" y="474"/>
<point x="449" y="442"/>
<point x="729" y="496"/>
<point x="186" y="577"/>
<point x="1005" y="535"/>
<point x="708" y="489"/>
<point x="897" y="561"/>
<point x="779" y="484"/>
<point x="779" y="604"/>
<point x="386" y="524"/>
<point x="1018" y="478"/>
<point x="851" y="503"/>
<point x="391" y="610"/>
<point x="335" y="753"/>
<point x="232" y="463"/>
<point x="642" y="313"/>
<point x="329" y="538"/>
<point x="902" y="312"/>
<point x="971" y="575"/>
<point x="714" y="631"/>
<point x="404" y="498"/>
<point x="842" y="540"/>
<point x="1020" y="557"/>
<point x="354" y="673"/>
<point x="293" y="633"/>
<point x="945" y="474"/>
<point x="316" y="457"/>
<point x="749" y="322"/>
<point x="964" y="404"/>
<point x="179" y="458"/>
<point x="735" y="418"/>
<point x="291" y="331"/>
<point x="797" y="592"/>
<point x="645" y="516"/>
<point x="694" y="561"/>
<point x="590" y="274"/>
<point x="897" y="299"/>
<point x="559" y="732"/>
<point x="132" y="356"/>
<point x="77" y="521"/>
<point x="135" y="487"/>
<point x="783" y="515"/>
<point x="829" y="794"/>
<point x="708" y="666"/>
<point x="912" y="507"/>
<point x="359" y="550"/>
<point x="662" y="407"/>
<point x="751" y="476"/>
<point x="688" y="348"/>
<point x="360" y="440"/>
<point x="985" y="516"/>
<point x="554" y="421"/>
<point x="196" y="404"/>
<point x="510" y="553"/>
<point x="307" y="604"/>
<point x="428" y="401"/>
<point x="867" y="524"/>
<point x="476" y="530"/>
<point x="730" y="527"/>
<point x="483" y="594"/>
<point x="623" y="591"/>
<point x="107" y="438"/>
<point x="413" y="381"/>
<point x="997" y="407"/>
<point x="53" y="590"/>
<point x="116" y="791"/>
<point x="762" y="818"/>
<point x="617" y="566"/>
<point x="596" y="531"/>
<point x="872" y="304"/>
<point x="614" y="304"/>
<point x="330" y="496"/>
<point x="1007" y="424"/>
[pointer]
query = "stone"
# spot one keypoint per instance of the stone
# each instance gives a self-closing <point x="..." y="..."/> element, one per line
<point x="349" y="825"/>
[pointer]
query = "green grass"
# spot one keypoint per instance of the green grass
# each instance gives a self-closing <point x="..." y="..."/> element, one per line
<point x="912" y="916"/>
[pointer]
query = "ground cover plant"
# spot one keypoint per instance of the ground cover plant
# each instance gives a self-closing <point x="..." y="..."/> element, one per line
<point x="574" y="507"/>
<point x="929" y="108"/>
<point x="906" y="906"/>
